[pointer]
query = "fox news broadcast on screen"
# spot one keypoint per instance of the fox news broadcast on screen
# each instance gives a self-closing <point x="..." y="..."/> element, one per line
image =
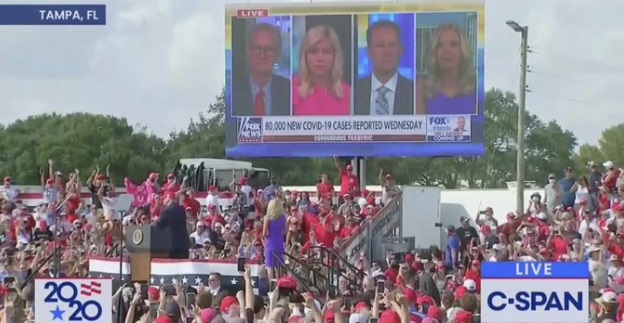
<point x="355" y="79"/>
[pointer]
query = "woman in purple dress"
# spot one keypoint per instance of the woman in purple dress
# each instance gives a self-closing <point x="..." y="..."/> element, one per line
<point x="274" y="232"/>
<point x="450" y="87"/>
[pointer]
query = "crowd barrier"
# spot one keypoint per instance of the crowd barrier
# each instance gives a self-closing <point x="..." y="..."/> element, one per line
<point x="169" y="271"/>
<point x="369" y="236"/>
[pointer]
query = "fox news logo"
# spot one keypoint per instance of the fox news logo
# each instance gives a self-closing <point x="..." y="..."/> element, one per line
<point x="249" y="130"/>
<point x="439" y="121"/>
<point x="439" y="124"/>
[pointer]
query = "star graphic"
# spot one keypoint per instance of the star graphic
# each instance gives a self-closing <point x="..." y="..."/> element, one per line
<point x="253" y="283"/>
<point x="101" y="276"/>
<point x="184" y="280"/>
<point x="57" y="314"/>
<point x="152" y="280"/>
<point x="174" y="281"/>
<point x="162" y="280"/>
<point x="197" y="280"/>
<point x="234" y="281"/>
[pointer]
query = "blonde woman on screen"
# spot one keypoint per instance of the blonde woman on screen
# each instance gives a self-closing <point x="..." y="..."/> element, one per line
<point x="450" y="87"/>
<point x="274" y="233"/>
<point x="318" y="89"/>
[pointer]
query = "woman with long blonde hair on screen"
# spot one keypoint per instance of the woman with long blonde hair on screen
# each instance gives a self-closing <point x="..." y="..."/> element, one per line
<point x="319" y="89"/>
<point x="274" y="233"/>
<point x="450" y="87"/>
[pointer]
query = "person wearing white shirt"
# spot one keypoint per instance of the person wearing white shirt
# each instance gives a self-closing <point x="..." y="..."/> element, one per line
<point x="588" y="222"/>
<point x="108" y="205"/>
<point x="213" y="199"/>
<point x="616" y="274"/>
<point x="597" y="270"/>
<point x="9" y="191"/>
<point x="200" y="235"/>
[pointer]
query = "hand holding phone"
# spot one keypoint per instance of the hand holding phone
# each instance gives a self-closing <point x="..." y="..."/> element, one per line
<point x="381" y="287"/>
<point x="241" y="265"/>
<point x="190" y="300"/>
<point x="153" y="310"/>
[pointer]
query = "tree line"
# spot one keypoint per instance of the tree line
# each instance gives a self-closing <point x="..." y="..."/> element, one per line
<point x="84" y="141"/>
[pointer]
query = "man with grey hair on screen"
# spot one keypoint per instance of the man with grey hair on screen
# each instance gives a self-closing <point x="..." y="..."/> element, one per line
<point x="261" y="92"/>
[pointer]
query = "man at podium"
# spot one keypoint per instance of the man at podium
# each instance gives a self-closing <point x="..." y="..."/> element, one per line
<point x="173" y="219"/>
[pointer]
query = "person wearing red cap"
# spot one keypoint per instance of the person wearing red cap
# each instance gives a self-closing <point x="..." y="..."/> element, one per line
<point x="349" y="182"/>
<point x="328" y="227"/>
<point x="463" y="317"/>
<point x="474" y="273"/>
<point x="324" y="186"/>
<point x="388" y="186"/>
<point x="173" y="220"/>
<point x="229" y="307"/>
<point x="191" y="202"/>
<point x="171" y="185"/>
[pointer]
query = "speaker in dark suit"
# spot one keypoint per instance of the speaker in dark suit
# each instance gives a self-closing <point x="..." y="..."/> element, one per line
<point x="276" y="102"/>
<point x="403" y="93"/>
<point x="385" y="91"/>
<point x="257" y="91"/>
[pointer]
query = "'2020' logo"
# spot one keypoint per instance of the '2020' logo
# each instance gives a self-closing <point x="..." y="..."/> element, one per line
<point x="67" y="293"/>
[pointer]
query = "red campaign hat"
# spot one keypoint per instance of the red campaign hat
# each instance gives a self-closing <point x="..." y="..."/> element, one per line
<point x="390" y="317"/>
<point x="426" y="299"/>
<point x="164" y="319"/>
<point x="287" y="282"/>
<point x="226" y="304"/>
<point x="360" y="306"/>
<point x="435" y="312"/>
<point x="616" y="207"/>
<point x="153" y="175"/>
<point x="460" y="292"/>
<point x="463" y="317"/>
<point x="411" y="295"/>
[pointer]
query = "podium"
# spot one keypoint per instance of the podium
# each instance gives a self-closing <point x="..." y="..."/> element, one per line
<point x="145" y="242"/>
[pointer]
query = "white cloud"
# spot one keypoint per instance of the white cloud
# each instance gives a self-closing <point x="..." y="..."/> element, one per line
<point x="161" y="62"/>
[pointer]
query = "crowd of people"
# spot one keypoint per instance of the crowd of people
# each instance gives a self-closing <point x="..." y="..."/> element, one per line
<point x="578" y="218"/>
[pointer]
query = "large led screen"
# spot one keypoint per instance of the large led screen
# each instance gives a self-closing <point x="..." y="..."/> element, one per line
<point x="370" y="79"/>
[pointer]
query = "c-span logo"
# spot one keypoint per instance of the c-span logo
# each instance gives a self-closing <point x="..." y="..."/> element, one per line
<point x="249" y="130"/>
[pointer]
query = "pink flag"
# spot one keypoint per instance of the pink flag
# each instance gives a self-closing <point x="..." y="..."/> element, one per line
<point x="140" y="193"/>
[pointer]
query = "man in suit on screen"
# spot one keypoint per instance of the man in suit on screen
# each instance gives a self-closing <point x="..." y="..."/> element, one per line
<point x="262" y="93"/>
<point x="385" y="91"/>
<point x="461" y="126"/>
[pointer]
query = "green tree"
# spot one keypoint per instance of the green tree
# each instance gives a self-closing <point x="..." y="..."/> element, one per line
<point x="83" y="141"/>
<point x="609" y="148"/>
<point x="78" y="141"/>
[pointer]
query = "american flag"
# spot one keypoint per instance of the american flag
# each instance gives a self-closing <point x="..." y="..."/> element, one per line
<point x="170" y="271"/>
<point x="92" y="288"/>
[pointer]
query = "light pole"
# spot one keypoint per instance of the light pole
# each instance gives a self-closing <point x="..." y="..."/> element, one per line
<point x="524" y="31"/>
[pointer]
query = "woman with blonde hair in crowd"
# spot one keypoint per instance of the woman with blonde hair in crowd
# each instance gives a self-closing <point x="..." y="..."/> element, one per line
<point x="450" y="86"/>
<point x="274" y="231"/>
<point x="319" y="89"/>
